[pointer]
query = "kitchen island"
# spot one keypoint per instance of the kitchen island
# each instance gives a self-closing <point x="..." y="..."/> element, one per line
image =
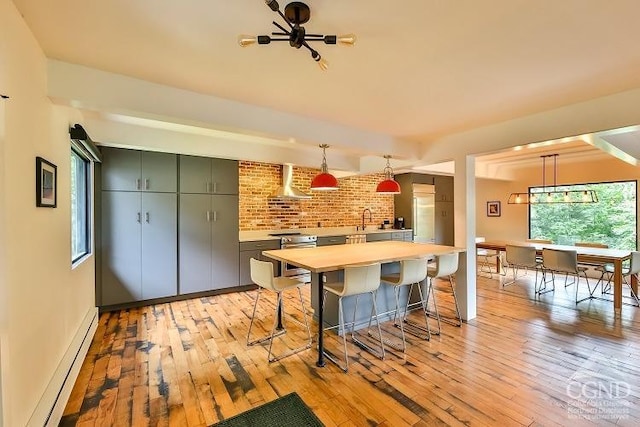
<point x="321" y="260"/>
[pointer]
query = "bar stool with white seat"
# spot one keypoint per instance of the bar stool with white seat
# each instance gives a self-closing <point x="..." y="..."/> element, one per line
<point x="446" y="266"/>
<point x="262" y="275"/>
<point x="358" y="280"/>
<point x="412" y="272"/>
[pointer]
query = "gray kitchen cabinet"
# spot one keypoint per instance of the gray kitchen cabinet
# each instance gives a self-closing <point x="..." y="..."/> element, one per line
<point x="444" y="232"/>
<point x="444" y="188"/>
<point x="205" y="175"/>
<point x="133" y="170"/>
<point x="253" y="249"/>
<point x="378" y="237"/>
<point x="331" y="240"/>
<point x="139" y="252"/>
<point x="208" y="242"/>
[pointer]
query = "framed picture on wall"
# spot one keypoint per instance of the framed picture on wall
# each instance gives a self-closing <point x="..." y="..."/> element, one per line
<point x="493" y="208"/>
<point x="46" y="183"/>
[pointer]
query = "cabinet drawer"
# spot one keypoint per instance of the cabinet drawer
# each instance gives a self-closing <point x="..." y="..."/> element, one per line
<point x="262" y="245"/>
<point x="378" y="237"/>
<point x="397" y="235"/>
<point x="332" y="240"/>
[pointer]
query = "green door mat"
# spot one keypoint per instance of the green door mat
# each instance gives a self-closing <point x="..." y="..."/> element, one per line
<point x="286" y="411"/>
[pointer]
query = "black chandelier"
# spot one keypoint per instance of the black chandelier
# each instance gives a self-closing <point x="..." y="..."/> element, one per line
<point x="295" y="14"/>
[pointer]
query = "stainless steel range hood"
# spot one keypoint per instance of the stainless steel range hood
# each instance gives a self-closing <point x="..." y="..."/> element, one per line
<point x="287" y="190"/>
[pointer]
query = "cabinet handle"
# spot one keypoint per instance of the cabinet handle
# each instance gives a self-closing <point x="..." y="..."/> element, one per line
<point x="138" y="217"/>
<point x="215" y="187"/>
<point x="138" y="184"/>
<point x="215" y="216"/>
<point x="208" y="216"/>
<point x="260" y="245"/>
<point x="208" y="190"/>
<point x="146" y="184"/>
<point x="147" y="217"/>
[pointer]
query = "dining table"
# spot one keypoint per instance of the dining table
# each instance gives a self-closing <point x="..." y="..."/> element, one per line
<point x="589" y="255"/>
<point x="322" y="259"/>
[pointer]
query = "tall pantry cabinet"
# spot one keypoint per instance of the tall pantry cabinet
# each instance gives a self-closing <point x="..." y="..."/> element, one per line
<point x="208" y="224"/>
<point x="139" y="226"/>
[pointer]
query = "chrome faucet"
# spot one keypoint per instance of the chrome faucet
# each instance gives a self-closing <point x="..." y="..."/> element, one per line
<point x="370" y="219"/>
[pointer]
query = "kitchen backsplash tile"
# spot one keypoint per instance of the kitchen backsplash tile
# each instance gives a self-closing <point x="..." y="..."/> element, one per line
<point x="339" y="208"/>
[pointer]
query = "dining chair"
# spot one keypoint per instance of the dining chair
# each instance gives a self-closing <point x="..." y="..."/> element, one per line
<point x="358" y="280"/>
<point x="591" y="245"/>
<point x="565" y="262"/>
<point x="487" y="259"/>
<point x="445" y="267"/>
<point x="412" y="272"/>
<point x="262" y="275"/>
<point x="633" y="268"/>
<point x="522" y="257"/>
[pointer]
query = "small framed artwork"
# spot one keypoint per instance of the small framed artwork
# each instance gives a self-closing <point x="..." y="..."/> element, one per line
<point x="493" y="208"/>
<point x="46" y="183"/>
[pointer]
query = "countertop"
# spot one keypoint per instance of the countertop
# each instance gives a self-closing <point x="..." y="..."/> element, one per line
<point x="247" y="236"/>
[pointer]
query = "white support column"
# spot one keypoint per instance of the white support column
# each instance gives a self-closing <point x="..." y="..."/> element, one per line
<point x="465" y="226"/>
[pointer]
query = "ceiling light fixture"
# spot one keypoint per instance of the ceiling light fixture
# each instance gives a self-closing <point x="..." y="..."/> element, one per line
<point x="552" y="194"/>
<point x="389" y="185"/>
<point x="324" y="181"/>
<point x="295" y="14"/>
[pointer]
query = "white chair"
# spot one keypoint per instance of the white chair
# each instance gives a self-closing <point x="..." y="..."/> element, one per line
<point x="262" y="275"/>
<point x="522" y="257"/>
<point x="412" y="272"/>
<point x="358" y="280"/>
<point x="446" y="266"/>
<point x="487" y="258"/>
<point x="564" y="262"/>
<point x="632" y="269"/>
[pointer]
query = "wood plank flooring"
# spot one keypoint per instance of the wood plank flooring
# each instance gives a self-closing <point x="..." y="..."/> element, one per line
<point x="524" y="361"/>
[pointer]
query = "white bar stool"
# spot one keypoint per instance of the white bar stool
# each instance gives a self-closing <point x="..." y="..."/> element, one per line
<point x="446" y="266"/>
<point x="262" y="275"/>
<point x="358" y="280"/>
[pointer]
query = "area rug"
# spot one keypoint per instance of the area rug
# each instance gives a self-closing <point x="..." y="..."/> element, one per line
<point x="286" y="411"/>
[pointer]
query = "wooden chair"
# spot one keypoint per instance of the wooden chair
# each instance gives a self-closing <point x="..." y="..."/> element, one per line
<point x="591" y="245"/>
<point x="540" y="241"/>
<point x="262" y="275"/>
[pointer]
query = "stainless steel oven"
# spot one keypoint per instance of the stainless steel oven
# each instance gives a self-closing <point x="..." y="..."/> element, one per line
<point x="295" y="240"/>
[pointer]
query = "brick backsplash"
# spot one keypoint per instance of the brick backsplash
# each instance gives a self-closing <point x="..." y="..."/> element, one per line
<point x="329" y="208"/>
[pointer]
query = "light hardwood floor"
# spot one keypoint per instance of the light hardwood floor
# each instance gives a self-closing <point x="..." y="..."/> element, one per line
<point x="524" y="360"/>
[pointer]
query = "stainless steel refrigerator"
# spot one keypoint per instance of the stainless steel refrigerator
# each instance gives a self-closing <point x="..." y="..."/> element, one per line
<point x="424" y="205"/>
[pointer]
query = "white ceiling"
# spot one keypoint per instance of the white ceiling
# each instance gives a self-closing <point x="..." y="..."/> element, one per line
<point x="420" y="69"/>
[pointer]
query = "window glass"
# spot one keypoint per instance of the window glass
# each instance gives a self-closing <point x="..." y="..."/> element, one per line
<point x="612" y="220"/>
<point x="80" y="206"/>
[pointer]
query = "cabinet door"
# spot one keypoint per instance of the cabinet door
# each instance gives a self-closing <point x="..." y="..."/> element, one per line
<point x="245" y="265"/>
<point x="121" y="169"/>
<point x="195" y="174"/>
<point x="121" y="248"/>
<point x="444" y="223"/>
<point x="159" y="172"/>
<point x="444" y="188"/>
<point x="159" y="245"/>
<point x="224" y="176"/>
<point x="225" y="245"/>
<point x="194" y="243"/>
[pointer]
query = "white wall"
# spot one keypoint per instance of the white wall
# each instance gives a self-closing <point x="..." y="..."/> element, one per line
<point x="45" y="301"/>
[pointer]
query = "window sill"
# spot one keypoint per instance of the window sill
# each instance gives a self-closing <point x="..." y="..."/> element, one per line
<point x="80" y="260"/>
